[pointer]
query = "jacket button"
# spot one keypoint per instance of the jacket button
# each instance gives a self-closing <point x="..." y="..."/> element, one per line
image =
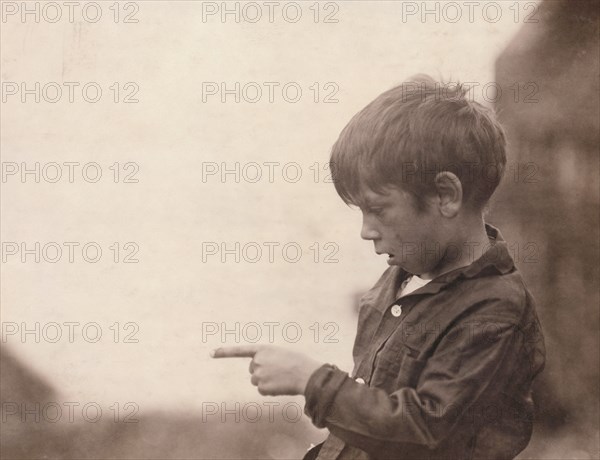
<point x="360" y="380"/>
<point x="397" y="310"/>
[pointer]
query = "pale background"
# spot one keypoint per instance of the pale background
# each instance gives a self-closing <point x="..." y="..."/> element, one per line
<point x="171" y="211"/>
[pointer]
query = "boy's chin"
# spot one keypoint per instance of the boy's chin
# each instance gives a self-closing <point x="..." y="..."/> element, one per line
<point x="394" y="261"/>
<point x="412" y="270"/>
<point x="391" y="260"/>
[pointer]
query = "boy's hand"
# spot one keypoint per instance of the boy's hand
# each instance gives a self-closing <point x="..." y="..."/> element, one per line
<point x="275" y="371"/>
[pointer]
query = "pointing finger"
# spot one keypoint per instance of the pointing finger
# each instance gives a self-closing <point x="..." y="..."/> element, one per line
<point x="247" y="351"/>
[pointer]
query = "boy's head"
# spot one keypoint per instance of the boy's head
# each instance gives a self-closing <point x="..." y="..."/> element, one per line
<point x="427" y="144"/>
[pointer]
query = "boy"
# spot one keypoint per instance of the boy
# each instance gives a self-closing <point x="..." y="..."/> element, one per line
<point x="448" y="340"/>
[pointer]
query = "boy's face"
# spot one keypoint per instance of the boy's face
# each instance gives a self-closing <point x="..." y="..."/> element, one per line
<point x="412" y="239"/>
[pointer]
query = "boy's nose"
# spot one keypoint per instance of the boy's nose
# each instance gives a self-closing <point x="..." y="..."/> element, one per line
<point x="368" y="231"/>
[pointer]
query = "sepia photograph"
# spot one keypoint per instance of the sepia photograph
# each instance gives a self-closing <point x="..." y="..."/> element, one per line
<point x="300" y="230"/>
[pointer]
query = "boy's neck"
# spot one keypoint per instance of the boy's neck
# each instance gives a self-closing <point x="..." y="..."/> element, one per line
<point x="472" y="240"/>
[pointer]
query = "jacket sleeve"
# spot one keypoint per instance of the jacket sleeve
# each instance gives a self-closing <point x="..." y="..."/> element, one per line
<point x="473" y="358"/>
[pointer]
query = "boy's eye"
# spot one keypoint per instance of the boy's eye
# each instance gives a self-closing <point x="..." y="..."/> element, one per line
<point x="376" y="211"/>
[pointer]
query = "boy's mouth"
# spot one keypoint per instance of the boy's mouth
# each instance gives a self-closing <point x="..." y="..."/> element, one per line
<point x="390" y="256"/>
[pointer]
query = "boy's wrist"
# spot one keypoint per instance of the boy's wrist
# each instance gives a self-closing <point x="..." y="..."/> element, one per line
<point x="307" y="373"/>
<point x="321" y="366"/>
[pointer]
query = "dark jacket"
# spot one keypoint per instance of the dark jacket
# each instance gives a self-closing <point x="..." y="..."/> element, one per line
<point x="446" y="377"/>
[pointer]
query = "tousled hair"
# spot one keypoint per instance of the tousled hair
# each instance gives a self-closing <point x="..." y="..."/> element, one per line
<point x="410" y="133"/>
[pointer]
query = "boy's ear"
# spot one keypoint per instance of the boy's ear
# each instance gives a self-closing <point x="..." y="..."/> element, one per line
<point x="449" y="193"/>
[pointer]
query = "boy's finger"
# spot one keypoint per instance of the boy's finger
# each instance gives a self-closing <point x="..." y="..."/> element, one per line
<point x="245" y="351"/>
